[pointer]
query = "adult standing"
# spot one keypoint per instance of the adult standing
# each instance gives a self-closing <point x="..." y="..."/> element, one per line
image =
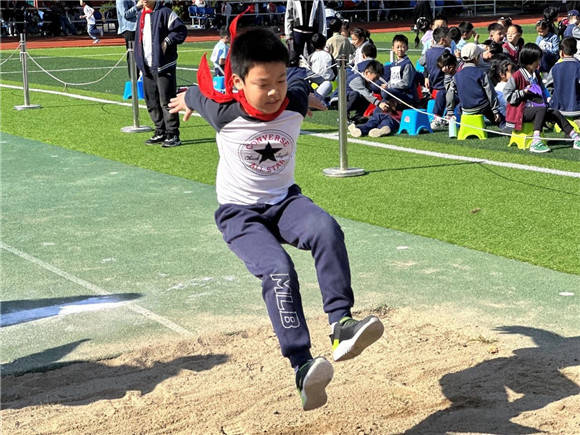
<point x="126" y="26"/>
<point x="302" y="20"/>
<point x="159" y="31"/>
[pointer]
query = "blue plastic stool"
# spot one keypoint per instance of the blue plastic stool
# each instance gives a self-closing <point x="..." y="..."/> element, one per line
<point x="219" y="84"/>
<point x="413" y="122"/>
<point x="418" y="67"/>
<point x="128" y="93"/>
<point x="431" y="106"/>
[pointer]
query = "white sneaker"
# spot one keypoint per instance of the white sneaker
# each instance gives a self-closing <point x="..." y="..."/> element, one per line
<point x="96" y="41"/>
<point x="354" y="131"/>
<point x="378" y="132"/>
<point x="438" y="124"/>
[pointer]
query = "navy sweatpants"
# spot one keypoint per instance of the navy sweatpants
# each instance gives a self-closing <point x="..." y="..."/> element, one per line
<point x="255" y="234"/>
<point x="377" y="120"/>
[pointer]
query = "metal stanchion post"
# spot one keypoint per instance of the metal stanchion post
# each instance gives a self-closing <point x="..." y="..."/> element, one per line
<point x="343" y="170"/>
<point x="135" y="128"/>
<point x="24" y="62"/>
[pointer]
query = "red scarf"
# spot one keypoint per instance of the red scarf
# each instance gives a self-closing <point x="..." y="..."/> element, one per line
<point x="205" y="83"/>
<point x="144" y="13"/>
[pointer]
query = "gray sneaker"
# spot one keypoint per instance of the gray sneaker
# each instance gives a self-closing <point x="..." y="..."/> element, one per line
<point x="311" y="381"/>
<point x="350" y="337"/>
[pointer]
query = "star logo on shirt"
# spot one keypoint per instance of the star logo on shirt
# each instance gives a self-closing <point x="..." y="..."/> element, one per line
<point x="268" y="153"/>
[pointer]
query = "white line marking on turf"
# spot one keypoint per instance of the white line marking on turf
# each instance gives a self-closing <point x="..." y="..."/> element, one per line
<point x="566" y="294"/>
<point x="334" y="136"/>
<point x="452" y="156"/>
<point x="96" y="289"/>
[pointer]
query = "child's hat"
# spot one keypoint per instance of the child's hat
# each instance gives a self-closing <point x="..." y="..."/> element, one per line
<point x="573" y="13"/>
<point x="470" y="51"/>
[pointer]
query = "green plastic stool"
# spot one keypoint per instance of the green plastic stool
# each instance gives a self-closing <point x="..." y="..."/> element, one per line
<point x="471" y="125"/>
<point x="522" y="138"/>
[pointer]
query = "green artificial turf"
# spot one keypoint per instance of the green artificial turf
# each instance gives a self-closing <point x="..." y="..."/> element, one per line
<point x="522" y="215"/>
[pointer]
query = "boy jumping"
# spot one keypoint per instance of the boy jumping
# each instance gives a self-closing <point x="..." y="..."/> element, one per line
<point x="261" y="207"/>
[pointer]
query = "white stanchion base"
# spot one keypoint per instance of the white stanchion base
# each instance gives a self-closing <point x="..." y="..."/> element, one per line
<point x="29" y="106"/>
<point x="133" y="129"/>
<point x="349" y="172"/>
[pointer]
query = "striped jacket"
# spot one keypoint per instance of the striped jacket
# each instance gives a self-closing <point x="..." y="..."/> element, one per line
<point x="166" y="27"/>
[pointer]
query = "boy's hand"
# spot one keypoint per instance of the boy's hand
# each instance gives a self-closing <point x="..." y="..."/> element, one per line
<point x="476" y="37"/>
<point x="383" y="106"/>
<point x="177" y="105"/>
<point x="497" y="118"/>
<point x="164" y="46"/>
<point x="315" y="103"/>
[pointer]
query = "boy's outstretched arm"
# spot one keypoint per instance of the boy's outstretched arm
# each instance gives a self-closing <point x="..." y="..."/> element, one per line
<point x="177" y="105"/>
<point x="315" y="103"/>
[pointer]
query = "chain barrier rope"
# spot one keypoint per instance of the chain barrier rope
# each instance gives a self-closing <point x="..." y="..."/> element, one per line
<point x="123" y="57"/>
<point x="500" y="133"/>
<point x="16" y="50"/>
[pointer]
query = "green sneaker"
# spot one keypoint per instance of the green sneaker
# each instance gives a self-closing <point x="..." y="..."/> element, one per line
<point x="576" y="144"/>
<point x="350" y="337"/>
<point x="311" y="381"/>
<point x="538" y="146"/>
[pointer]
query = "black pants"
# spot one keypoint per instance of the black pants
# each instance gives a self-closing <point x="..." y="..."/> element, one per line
<point x="300" y="40"/>
<point x="129" y="36"/>
<point x="159" y="89"/>
<point x="539" y="115"/>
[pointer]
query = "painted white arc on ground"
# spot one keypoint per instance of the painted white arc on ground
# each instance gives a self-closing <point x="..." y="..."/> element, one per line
<point x="96" y="289"/>
<point x="334" y="137"/>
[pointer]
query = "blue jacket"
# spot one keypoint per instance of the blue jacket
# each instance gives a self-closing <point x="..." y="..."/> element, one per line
<point x="474" y="90"/>
<point x="432" y="71"/>
<point x="566" y="77"/>
<point x="165" y="26"/>
<point x="125" y="25"/>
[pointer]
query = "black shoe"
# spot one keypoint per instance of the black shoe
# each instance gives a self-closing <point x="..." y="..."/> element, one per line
<point x="172" y="141"/>
<point x="350" y="337"/>
<point x="158" y="138"/>
<point x="311" y="381"/>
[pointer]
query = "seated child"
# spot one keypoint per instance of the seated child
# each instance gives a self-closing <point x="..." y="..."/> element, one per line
<point x="454" y="37"/>
<point x="548" y="43"/>
<point x="359" y="37"/>
<point x="220" y="52"/>
<point x="496" y="32"/>
<point x="261" y="207"/>
<point x="448" y="64"/>
<point x="466" y="30"/>
<point x="320" y="62"/>
<point x="363" y="89"/>
<point x="514" y="42"/>
<point x="433" y="74"/>
<point x="439" y="21"/>
<point x="473" y="88"/>
<point x="338" y="45"/>
<point x="499" y="73"/>
<point x="565" y="76"/>
<point x="526" y="101"/>
<point x="400" y="74"/>
<point x="572" y="22"/>
<point x="369" y="52"/>
<point x="384" y="120"/>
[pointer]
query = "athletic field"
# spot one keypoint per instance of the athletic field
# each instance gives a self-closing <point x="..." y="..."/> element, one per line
<point x="124" y="312"/>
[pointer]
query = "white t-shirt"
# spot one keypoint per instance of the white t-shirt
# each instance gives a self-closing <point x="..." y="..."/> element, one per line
<point x="147" y="41"/>
<point x="320" y="63"/>
<point x="89" y="14"/>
